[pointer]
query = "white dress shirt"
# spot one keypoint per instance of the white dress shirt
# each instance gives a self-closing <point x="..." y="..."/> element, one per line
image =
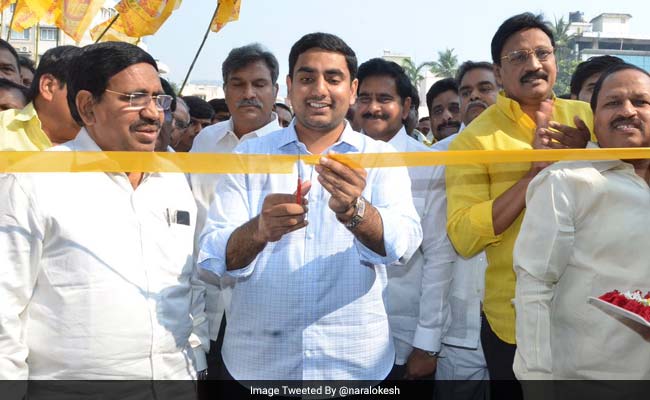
<point x="585" y="233"/>
<point x="217" y="138"/>
<point x="416" y="290"/>
<point x="310" y="306"/>
<point x="98" y="279"/>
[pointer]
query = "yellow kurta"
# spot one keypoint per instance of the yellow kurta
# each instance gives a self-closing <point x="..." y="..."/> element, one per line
<point x="472" y="188"/>
<point x="20" y="130"/>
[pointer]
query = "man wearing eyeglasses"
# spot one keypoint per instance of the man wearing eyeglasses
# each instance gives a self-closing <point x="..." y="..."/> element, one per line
<point x="486" y="202"/>
<point x="98" y="280"/>
<point x="250" y="75"/>
<point x="200" y="117"/>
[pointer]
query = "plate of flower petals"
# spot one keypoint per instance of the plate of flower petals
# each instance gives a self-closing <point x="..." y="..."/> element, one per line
<point x="632" y="305"/>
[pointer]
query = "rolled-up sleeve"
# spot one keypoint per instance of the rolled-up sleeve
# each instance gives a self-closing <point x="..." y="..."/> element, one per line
<point x="21" y="243"/>
<point x="469" y="204"/>
<point x="391" y="196"/>
<point x="541" y="254"/>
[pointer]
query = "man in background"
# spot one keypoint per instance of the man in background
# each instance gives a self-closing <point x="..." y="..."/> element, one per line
<point x="444" y="108"/>
<point x="46" y="120"/>
<point x="12" y="96"/>
<point x="250" y="75"/>
<point x="201" y="114"/>
<point x="586" y="75"/>
<point x="221" y="112"/>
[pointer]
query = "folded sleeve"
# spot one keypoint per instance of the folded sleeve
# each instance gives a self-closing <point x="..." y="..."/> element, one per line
<point x="21" y="244"/>
<point x="542" y="252"/>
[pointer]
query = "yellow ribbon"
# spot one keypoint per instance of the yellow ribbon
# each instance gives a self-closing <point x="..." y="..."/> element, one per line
<point x="223" y="163"/>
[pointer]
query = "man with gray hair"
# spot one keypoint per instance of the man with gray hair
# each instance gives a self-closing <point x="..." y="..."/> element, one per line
<point x="250" y="75"/>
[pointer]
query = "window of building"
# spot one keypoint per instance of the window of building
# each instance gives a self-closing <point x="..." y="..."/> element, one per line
<point x="48" y="33"/>
<point x="24" y="35"/>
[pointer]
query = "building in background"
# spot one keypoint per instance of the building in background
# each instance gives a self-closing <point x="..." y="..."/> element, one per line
<point x="428" y="78"/>
<point x="608" y="34"/>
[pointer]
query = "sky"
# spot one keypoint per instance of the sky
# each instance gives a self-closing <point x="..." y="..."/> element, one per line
<point x="418" y="28"/>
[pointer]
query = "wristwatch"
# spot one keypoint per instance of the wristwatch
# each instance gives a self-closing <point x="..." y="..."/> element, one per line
<point x="359" y="211"/>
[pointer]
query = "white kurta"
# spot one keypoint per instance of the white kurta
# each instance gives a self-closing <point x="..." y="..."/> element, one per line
<point x="97" y="278"/>
<point x="584" y="234"/>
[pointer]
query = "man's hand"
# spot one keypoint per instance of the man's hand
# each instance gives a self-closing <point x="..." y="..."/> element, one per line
<point x="567" y="137"/>
<point x="542" y="138"/>
<point x="420" y="364"/>
<point x="345" y="184"/>
<point x="280" y="215"/>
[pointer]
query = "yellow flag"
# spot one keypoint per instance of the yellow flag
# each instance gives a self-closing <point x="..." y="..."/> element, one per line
<point x="137" y="18"/>
<point x="74" y="16"/>
<point x="29" y="12"/>
<point x="5" y="3"/>
<point x="228" y="11"/>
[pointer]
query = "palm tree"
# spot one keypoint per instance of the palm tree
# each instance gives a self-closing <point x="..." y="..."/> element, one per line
<point x="447" y="64"/>
<point x="564" y="54"/>
<point x="413" y="71"/>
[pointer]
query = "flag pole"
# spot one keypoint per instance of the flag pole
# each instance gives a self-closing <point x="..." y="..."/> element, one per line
<point x="107" y="28"/>
<point x="196" y="56"/>
<point x="11" y="23"/>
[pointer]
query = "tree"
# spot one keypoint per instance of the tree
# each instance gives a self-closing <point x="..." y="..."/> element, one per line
<point x="567" y="59"/>
<point x="413" y="71"/>
<point x="447" y="64"/>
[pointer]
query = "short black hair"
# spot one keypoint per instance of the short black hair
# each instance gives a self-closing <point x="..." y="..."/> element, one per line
<point x="610" y="71"/>
<point x="56" y="62"/>
<point x="219" y="105"/>
<point x="199" y="108"/>
<point x="324" y="41"/>
<point x="516" y="24"/>
<point x="96" y="64"/>
<point x="586" y="69"/>
<point x="7" y="46"/>
<point x="26" y="62"/>
<point x="439" y="87"/>
<point x="169" y="90"/>
<point x="6" y="84"/>
<point x="240" y="57"/>
<point x="282" y="105"/>
<point x="471" y="65"/>
<point x="381" y="67"/>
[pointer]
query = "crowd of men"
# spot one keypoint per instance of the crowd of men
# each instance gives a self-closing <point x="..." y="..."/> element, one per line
<point x="466" y="274"/>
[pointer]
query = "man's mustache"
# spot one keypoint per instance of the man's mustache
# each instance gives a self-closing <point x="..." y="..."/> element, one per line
<point x="146" y="123"/>
<point x="534" y="75"/>
<point x="476" y="103"/>
<point x="449" y="124"/>
<point x="249" y="103"/>
<point x="368" y="115"/>
<point x="634" y="121"/>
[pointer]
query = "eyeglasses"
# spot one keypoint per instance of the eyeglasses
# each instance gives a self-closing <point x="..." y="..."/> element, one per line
<point x="181" y="124"/>
<point x="139" y="100"/>
<point x="519" y="57"/>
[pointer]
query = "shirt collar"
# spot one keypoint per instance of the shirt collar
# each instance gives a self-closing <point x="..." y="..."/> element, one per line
<point x="349" y="138"/>
<point x="27" y="113"/>
<point x="272" y="126"/>
<point x="82" y="142"/>
<point x="399" y="141"/>
<point x="605" y="165"/>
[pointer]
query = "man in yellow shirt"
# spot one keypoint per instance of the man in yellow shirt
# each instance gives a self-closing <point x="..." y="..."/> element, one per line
<point x="46" y="120"/>
<point x="486" y="202"/>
